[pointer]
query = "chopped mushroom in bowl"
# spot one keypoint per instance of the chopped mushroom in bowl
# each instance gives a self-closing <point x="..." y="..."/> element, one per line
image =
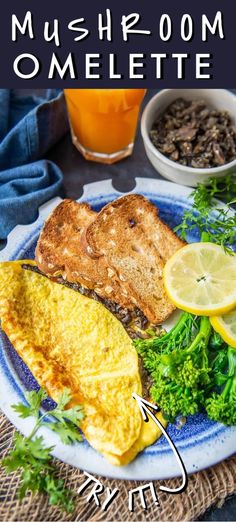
<point x="190" y="134"/>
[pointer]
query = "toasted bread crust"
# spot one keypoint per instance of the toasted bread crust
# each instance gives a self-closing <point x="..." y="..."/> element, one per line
<point x="119" y="252"/>
<point x="159" y="233"/>
<point x="130" y="235"/>
<point x="59" y="252"/>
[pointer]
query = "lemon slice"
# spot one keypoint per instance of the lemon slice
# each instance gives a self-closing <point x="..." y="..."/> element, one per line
<point x="225" y="325"/>
<point x="201" y="278"/>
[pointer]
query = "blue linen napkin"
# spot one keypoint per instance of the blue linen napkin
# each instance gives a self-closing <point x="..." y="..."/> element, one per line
<point x="29" y="127"/>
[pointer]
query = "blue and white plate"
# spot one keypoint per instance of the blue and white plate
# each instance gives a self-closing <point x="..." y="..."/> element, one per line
<point x="201" y="442"/>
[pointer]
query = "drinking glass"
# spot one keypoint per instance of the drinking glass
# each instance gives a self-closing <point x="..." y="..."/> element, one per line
<point x="103" y="121"/>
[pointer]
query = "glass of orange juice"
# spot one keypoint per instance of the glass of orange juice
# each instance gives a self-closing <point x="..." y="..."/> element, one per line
<point x="103" y="121"/>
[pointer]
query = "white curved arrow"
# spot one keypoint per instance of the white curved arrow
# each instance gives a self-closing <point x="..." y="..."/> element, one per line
<point x="145" y="408"/>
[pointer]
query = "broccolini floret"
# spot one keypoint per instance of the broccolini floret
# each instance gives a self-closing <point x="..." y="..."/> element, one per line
<point x="221" y="407"/>
<point x="179" y="336"/>
<point x="178" y="363"/>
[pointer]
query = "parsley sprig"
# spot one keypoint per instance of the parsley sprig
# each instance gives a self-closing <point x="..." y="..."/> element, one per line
<point x="33" y="458"/>
<point x="214" y="224"/>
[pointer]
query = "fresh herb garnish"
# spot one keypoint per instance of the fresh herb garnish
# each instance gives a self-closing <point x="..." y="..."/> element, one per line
<point x="214" y="224"/>
<point x="32" y="457"/>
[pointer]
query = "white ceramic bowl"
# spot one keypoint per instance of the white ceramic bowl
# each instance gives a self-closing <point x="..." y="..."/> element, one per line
<point x="215" y="98"/>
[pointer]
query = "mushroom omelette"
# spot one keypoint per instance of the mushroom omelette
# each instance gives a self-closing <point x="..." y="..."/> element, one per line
<point x="69" y="340"/>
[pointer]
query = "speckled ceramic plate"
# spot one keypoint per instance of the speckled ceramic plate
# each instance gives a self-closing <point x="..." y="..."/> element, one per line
<point x="200" y="442"/>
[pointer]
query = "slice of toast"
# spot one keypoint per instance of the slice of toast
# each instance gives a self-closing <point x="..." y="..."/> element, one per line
<point x="136" y="243"/>
<point x="60" y="252"/>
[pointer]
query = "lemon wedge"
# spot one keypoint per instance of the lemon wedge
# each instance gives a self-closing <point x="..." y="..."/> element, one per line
<point x="225" y="325"/>
<point x="201" y="279"/>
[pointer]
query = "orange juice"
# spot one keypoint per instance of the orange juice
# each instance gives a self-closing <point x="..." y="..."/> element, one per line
<point x="103" y="121"/>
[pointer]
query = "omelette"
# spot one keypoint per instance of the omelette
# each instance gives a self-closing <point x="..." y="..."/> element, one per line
<point x="69" y="340"/>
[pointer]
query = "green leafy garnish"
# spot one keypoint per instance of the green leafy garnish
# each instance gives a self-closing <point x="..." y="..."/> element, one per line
<point x="67" y="433"/>
<point x="33" y="458"/>
<point x="220" y="188"/>
<point x="34" y="400"/>
<point x="214" y="224"/>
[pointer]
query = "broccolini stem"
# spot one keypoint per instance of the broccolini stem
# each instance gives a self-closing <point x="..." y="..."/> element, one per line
<point x="203" y="334"/>
<point x="231" y="372"/>
<point x="178" y="328"/>
<point x="227" y="387"/>
<point x="180" y="332"/>
<point x="232" y="360"/>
